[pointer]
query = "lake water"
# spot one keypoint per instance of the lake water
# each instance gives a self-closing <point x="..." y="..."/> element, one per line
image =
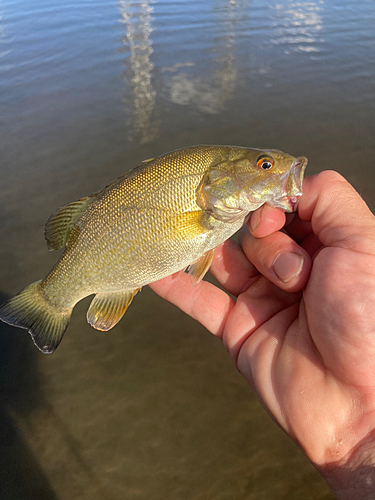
<point x="154" y="409"/>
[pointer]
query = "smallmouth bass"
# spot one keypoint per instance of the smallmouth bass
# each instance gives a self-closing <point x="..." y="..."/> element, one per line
<point x="166" y="215"/>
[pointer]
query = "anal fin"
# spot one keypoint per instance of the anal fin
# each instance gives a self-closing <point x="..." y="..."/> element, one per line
<point x="106" y="309"/>
<point x="198" y="269"/>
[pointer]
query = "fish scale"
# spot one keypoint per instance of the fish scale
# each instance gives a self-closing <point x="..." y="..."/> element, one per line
<point x="168" y="214"/>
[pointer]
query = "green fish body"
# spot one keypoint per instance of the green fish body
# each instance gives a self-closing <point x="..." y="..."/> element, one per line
<point x="166" y="215"/>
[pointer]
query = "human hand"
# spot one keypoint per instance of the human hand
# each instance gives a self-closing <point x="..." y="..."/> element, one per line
<point x="305" y="342"/>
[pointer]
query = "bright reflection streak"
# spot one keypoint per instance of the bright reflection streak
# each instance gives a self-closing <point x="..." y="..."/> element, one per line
<point x="298" y="24"/>
<point x="140" y="96"/>
<point x="4" y="38"/>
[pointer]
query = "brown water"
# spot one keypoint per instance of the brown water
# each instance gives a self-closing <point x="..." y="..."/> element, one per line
<point x="154" y="409"/>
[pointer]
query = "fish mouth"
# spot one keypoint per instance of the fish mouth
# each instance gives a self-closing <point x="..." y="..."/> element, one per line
<point x="291" y="185"/>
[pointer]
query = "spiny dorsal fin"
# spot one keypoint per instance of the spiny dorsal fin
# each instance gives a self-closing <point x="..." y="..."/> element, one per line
<point x="60" y="224"/>
<point x="106" y="309"/>
<point x="198" y="269"/>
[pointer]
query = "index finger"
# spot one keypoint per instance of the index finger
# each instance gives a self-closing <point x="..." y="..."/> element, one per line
<point x="204" y="301"/>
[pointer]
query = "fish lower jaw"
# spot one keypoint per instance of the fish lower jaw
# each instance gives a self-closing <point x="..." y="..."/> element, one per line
<point x="286" y="203"/>
<point x="293" y="202"/>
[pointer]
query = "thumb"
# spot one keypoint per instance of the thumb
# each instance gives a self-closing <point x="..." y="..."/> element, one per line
<point x="340" y="294"/>
<point x="338" y="214"/>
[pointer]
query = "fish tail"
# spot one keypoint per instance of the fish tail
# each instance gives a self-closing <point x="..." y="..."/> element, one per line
<point x="31" y="309"/>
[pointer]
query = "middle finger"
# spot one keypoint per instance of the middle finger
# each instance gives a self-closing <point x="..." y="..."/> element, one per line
<point x="232" y="269"/>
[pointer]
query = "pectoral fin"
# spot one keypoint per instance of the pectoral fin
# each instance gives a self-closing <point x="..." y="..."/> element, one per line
<point x="190" y="225"/>
<point x="106" y="309"/>
<point x="198" y="269"/>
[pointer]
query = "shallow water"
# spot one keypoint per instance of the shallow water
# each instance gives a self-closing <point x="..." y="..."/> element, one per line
<point x="88" y="89"/>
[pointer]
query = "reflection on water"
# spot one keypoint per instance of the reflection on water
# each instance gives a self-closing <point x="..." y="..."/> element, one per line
<point x="4" y="39"/>
<point x="297" y="25"/>
<point x="140" y="95"/>
<point x="209" y="92"/>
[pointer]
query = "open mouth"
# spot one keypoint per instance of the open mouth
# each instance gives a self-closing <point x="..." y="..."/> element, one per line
<point x="292" y="202"/>
<point x="298" y="170"/>
<point x="291" y="185"/>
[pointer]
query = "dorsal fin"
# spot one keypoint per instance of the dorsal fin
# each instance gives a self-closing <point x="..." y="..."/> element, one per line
<point x="60" y="224"/>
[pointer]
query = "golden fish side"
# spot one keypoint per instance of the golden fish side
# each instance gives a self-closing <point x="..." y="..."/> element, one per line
<point x="166" y="215"/>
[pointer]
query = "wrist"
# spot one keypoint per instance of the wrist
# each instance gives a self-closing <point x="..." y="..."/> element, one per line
<point x="353" y="477"/>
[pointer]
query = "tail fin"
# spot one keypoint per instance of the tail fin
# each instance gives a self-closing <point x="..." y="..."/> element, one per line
<point x="29" y="309"/>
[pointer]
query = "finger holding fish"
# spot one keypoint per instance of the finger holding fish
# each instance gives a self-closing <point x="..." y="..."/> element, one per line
<point x="264" y="250"/>
<point x="277" y="257"/>
<point x="232" y="269"/>
<point x="204" y="301"/>
<point x="266" y="220"/>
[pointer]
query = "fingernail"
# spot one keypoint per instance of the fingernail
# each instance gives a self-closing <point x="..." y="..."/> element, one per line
<point x="287" y="265"/>
<point x="255" y="219"/>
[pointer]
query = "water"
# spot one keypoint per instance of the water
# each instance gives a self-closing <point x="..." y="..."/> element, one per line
<point x="88" y="89"/>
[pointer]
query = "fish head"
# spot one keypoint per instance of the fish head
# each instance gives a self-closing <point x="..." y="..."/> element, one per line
<point x="270" y="176"/>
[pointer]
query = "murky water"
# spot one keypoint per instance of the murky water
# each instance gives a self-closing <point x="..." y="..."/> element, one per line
<point x="88" y="89"/>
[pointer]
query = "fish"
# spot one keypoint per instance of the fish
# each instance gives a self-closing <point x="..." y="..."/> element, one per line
<point x="166" y="215"/>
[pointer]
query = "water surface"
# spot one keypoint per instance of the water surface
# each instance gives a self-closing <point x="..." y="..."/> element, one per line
<point x="88" y="89"/>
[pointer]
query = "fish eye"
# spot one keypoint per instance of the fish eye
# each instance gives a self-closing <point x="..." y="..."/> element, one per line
<point x="265" y="162"/>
